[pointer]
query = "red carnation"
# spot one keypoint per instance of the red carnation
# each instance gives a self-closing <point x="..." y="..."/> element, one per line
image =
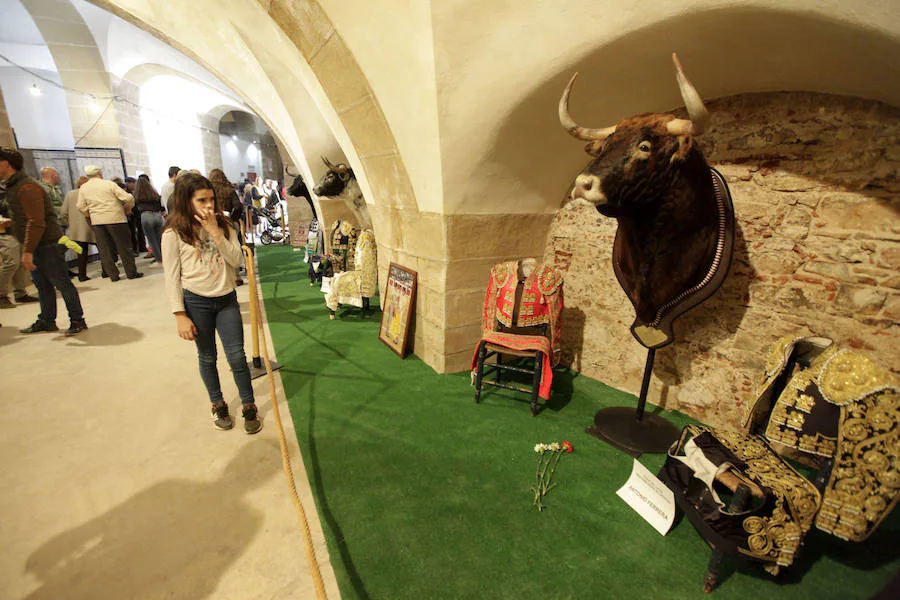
<point x="567" y="446"/>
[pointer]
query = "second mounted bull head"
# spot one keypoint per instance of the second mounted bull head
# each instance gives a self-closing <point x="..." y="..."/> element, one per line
<point x="675" y="218"/>
<point x="339" y="182"/>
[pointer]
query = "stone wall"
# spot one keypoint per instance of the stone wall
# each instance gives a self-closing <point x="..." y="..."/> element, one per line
<point x="814" y="179"/>
<point x="6" y="133"/>
<point x="209" y="139"/>
<point x="131" y="128"/>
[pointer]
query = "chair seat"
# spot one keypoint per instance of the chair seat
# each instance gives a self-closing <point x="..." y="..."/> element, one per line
<point x="509" y="351"/>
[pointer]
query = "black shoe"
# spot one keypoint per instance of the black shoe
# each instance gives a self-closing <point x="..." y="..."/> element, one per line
<point x="104" y="275"/>
<point x="83" y="278"/>
<point x="72" y="274"/>
<point x="252" y="424"/>
<point x="25" y="298"/>
<point x="136" y="276"/>
<point x="40" y="327"/>
<point x="221" y="419"/>
<point x="116" y="278"/>
<point x="76" y="327"/>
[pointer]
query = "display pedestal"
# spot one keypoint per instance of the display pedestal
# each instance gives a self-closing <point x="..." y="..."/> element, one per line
<point x="258" y="369"/>
<point x="634" y="431"/>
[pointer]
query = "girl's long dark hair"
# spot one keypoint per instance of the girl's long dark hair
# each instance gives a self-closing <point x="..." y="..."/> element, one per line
<point x="144" y="192"/>
<point x="181" y="219"/>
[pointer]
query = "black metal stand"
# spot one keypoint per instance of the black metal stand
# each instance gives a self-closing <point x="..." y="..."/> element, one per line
<point x="258" y="369"/>
<point x="635" y="432"/>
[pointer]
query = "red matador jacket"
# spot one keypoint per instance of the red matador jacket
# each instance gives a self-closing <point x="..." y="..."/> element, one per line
<point x="541" y="303"/>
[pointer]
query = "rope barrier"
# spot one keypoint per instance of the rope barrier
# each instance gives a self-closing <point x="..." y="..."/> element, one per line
<point x="260" y="335"/>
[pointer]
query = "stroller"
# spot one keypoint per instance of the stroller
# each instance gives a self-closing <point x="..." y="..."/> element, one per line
<point x="270" y="221"/>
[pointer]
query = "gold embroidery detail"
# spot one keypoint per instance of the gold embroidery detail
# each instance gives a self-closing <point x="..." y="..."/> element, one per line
<point x="774" y="538"/>
<point x="865" y="481"/>
<point x="804" y="403"/>
<point x="795" y="420"/>
<point x="848" y="376"/>
<point x="549" y="279"/>
<point x="818" y="444"/>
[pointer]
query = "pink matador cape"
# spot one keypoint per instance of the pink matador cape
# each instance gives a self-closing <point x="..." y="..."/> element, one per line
<point x="541" y="303"/>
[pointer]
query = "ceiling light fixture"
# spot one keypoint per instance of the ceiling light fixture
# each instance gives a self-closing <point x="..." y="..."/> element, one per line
<point x="35" y="90"/>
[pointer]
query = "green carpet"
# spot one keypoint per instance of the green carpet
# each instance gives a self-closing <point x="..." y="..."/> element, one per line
<point x="423" y="494"/>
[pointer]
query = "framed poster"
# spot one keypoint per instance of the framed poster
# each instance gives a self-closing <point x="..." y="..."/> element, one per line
<point x="399" y="298"/>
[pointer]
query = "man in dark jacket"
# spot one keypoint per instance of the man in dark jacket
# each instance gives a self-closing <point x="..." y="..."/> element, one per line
<point x="36" y="228"/>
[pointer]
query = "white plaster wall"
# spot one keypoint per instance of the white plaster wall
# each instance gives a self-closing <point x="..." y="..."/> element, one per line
<point x="124" y="46"/>
<point x="393" y="44"/>
<point x="501" y="66"/>
<point x="39" y="121"/>
<point x="237" y="157"/>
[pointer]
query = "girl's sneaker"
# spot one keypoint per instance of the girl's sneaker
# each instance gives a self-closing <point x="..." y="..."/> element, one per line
<point x="221" y="419"/>
<point x="252" y="424"/>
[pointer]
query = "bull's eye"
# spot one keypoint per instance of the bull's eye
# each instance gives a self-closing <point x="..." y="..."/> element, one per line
<point x="644" y="146"/>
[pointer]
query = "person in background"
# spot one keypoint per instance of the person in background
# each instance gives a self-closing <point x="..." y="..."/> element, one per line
<point x="13" y="273"/>
<point x="50" y="179"/>
<point x="35" y="226"/>
<point x="149" y="203"/>
<point x="228" y="201"/>
<point x="79" y="229"/>
<point x="168" y="187"/>
<point x="200" y="252"/>
<point x="108" y="206"/>
<point x="138" y="241"/>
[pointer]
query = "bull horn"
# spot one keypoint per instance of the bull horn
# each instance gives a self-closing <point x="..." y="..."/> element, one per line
<point x="699" y="120"/>
<point x="574" y="129"/>
<point x="327" y="162"/>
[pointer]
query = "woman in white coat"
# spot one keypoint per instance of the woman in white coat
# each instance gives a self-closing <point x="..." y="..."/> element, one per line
<point x="79" y="229"/>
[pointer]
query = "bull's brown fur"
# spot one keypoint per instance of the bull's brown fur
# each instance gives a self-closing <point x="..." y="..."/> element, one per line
<point x="666" y="207"/>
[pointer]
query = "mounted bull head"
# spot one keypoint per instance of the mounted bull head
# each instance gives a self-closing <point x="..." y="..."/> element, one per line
<point x="334" y="181"/>
<point x="648" y="173"/>
<point x="340" y="183"/>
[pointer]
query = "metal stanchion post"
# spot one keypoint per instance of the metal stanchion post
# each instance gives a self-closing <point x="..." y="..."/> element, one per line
<point x="256" y="367"/>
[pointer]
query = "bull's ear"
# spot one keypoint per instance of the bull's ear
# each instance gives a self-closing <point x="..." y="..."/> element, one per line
<point x="594" y="148"/>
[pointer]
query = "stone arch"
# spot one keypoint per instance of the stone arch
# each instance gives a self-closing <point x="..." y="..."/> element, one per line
<point x="59" y="23"/>
<point x="232" y="49"/>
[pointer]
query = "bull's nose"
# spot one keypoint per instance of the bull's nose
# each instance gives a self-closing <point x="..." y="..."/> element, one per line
<point x="587" y="187"/>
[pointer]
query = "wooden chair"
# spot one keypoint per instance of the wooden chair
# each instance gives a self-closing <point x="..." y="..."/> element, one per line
<point x="533" y="364"/>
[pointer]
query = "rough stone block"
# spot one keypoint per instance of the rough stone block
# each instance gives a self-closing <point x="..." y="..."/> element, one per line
<point x="339" y="74"/>
<point x="471" y="236"/>
<point x="367" y="128"/>
<point x="304" y="22"/>
<point x="389" y="182"/>
<point x="856" y="299"/>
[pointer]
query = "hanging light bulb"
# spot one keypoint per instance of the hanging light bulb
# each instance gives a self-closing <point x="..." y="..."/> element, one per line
<point x="35" y="90"/>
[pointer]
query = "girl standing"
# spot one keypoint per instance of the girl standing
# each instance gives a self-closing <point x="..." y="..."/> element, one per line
<point x="149" y="204"/>
<point x="200" y="251"/>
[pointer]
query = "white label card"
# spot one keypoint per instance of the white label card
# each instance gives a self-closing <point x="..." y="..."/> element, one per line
<point x="649" y="497"/>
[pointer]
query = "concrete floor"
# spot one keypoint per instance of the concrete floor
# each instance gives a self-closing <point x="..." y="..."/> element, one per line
<point x="116" y="485"/>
